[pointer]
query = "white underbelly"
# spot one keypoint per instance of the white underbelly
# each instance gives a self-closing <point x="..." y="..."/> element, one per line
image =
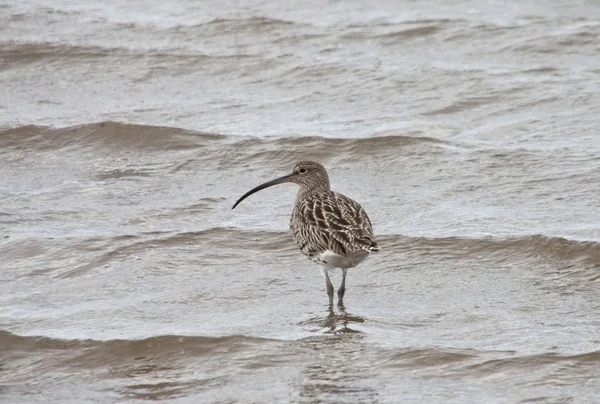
<point x="331" y="260"/>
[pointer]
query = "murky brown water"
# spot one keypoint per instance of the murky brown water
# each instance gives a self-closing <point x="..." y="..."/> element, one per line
<point x="468" y="130"/>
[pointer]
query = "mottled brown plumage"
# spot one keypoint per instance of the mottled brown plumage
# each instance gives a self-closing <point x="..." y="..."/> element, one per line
<point x="328" y="227"/>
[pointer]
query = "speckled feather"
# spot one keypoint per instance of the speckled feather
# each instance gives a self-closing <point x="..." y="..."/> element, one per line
<point x="327" y="220"/>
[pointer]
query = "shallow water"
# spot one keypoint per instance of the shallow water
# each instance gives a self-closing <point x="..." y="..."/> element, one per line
<point x="467" y="130"/>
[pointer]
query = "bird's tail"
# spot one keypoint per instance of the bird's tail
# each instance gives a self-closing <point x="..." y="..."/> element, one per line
<point x="374" y="247"/>
<point x="367" y="243"/>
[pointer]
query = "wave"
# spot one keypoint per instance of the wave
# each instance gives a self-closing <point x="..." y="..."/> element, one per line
<point x="95" y="353"/>
<point x="18" y="54"/>
<point x="536" y="246"/>
<point x="107" y="134"/>
<point x="579" y="37"/>
<point x="256" y="24"/>
<point x="392" y="33"/>
<point x="482" y="363"/>
<point x="532" y="362"/>
<point x="225" y="149"/>
<point x="21" y="52"/>
<point x="121" y="348"/>
<point x="560" y="252"/>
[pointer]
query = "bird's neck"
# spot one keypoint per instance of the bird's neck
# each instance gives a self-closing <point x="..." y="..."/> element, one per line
<point x="307" y="190"/>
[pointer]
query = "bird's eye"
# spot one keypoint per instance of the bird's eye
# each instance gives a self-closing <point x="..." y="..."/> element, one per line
<point x="302" y="171"/>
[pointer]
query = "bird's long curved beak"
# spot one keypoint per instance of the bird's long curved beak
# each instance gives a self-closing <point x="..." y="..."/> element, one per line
<point x="280" y="180"/>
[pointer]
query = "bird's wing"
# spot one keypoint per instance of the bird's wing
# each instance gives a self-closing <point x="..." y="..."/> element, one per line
<point x="339" y="221"/>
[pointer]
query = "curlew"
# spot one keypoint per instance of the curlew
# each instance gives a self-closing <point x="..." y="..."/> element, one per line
<point x="328" y="227"/>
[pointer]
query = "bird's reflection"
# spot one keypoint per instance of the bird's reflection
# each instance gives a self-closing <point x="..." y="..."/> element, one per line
<point x="339" y="322"/>
<point x="338" y="366"/>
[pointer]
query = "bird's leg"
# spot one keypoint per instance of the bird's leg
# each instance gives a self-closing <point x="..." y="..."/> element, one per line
<point x="342" y="288"/>
<point x="329" y="285"/>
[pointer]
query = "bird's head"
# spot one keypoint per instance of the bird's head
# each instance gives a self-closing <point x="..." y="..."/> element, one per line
<point x="310" y="175"/>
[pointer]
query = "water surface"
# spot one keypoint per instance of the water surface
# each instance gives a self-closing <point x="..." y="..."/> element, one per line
<point x="468" y="130"/>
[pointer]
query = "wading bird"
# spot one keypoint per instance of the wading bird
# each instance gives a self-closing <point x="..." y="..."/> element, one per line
<point x="328" y="227"/>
